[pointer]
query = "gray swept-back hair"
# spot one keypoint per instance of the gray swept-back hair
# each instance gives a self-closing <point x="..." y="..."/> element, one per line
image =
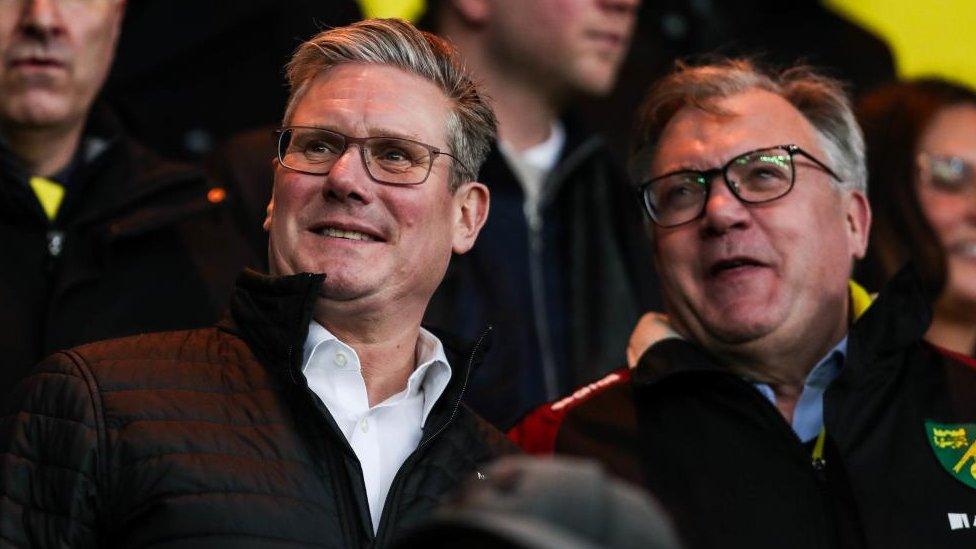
<point x="471" y="124"/>
<point x="821" y="99"/>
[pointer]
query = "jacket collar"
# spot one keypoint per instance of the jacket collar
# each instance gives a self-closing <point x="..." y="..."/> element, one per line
<point x="272" y="315"/>
<point x="897" y="318"/>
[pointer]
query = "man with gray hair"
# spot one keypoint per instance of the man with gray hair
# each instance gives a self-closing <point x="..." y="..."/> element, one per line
<point x="771" y="406"/>
<point x="318" y="412"/>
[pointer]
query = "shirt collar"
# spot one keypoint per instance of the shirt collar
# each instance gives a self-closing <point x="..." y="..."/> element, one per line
<point x="432" y="373"/>
<point x="808" y="413"/>
<point x="825" y="371"/>
<point x="544" y="155"/>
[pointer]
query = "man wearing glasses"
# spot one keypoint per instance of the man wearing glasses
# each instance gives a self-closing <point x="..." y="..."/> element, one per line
<point x="318" y="412"/>
<point x="764" y="409"/>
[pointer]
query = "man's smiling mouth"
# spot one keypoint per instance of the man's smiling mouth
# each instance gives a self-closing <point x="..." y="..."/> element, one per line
<point x="347" y="235"/>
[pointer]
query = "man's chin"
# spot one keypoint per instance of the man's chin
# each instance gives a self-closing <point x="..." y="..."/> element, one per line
<point x="738" y="329"/>
<point x="35" y="112"/>
<point x="336" y="289"/>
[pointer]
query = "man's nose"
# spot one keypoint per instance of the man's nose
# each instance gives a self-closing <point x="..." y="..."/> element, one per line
<point x="348" y="178"/>
<point x="723" y="209"/>
<point x="41" y="17"/>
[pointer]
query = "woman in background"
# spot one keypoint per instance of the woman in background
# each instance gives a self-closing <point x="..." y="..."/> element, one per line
<point x="921" y="150"/>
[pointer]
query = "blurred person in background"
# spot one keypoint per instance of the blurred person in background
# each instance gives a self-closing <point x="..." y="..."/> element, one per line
<point x="100" y="238"/>
<point x="560" y="266"/>
<point x="921" y="147"/>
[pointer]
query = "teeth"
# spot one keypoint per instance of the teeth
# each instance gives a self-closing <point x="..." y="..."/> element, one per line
<point x="350" y="235"/>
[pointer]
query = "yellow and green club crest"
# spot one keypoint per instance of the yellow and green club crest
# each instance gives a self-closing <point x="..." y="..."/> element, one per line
<point x="954" y="445"/>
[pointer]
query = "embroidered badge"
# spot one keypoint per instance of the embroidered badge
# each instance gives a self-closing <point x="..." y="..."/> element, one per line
<point x="954" y="445"/>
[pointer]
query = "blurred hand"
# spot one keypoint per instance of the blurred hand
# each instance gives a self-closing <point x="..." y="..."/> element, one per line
<point x="651" y="328"/>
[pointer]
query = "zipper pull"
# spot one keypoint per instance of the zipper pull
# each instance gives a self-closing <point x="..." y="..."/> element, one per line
<point x="817" y="457"/>
<point x="55" y="243"/>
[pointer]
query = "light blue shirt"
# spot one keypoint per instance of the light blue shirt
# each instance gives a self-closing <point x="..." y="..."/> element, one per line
<point x="808" y="414"/>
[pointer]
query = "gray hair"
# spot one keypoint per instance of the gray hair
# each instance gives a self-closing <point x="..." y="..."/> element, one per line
<point x="821" y="99"/>
<point x="471" y="125"/>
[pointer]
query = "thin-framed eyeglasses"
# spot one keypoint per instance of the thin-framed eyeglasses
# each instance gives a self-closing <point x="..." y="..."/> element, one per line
<point x="754" y="177"/>
<point x="390" y="160"/>
<point x="947" y="174"/>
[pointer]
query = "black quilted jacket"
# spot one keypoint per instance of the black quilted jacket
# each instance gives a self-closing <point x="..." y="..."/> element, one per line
<point x="211" y="437"/>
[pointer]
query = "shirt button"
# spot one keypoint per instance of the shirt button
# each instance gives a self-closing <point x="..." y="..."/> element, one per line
<point x="341" y="359"/>
<point x="364" y="425"/>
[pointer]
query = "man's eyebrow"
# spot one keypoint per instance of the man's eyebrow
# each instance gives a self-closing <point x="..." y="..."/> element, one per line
<point x="372" y="132"/>
<point x="387" y="132"/>
<point x="678" y="168"/>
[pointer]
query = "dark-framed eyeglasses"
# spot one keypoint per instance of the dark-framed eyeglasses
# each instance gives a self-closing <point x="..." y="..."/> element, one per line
<point x="754" y="177"/>
<point x="390" y="160"/>
<point x="947" y="174"/>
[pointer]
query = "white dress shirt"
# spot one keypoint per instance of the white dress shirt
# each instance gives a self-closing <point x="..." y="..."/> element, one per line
<point x="386" y="434"/>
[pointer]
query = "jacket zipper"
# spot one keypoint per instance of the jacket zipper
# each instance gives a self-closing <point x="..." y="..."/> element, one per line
<point x="390" y="506"/>
<point x="551" y="186"/>
<point x="541" y="317"/>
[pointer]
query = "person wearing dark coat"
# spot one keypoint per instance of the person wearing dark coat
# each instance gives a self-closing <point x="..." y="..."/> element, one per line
<point x="318" y="411"/>
<point x="775" y="405"/>
<point x="561" y="265"/>
<point x="100" y="237"/>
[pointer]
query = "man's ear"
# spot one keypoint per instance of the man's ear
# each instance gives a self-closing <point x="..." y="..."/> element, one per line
<point x="858" y="219"/>
<point x="269" y="210"/>
<point x="471" y="203"/>
<point x="472" y="12"/>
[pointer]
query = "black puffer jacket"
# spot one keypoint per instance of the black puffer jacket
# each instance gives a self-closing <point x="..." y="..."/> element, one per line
<point x="139" y="245"/>
<point x="211" y="437"/>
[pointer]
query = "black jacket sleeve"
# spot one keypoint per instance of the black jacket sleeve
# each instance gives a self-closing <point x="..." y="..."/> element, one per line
<point x="49" y="448"/>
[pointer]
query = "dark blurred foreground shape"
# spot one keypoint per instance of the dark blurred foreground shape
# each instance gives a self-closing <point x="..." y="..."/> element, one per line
<point x="556" y="503"/>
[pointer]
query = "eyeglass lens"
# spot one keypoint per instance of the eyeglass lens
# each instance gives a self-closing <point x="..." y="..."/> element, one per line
<point x="950" y="174"/>
<point x="387" y="159"/>
<point x="757" y="176"/>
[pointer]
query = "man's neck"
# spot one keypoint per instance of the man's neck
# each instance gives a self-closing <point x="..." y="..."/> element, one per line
<point x="44" y="151"/>
<point x="525" y="118"/>
<point x="785" y="371"/>
<point x="526" y="109"/>
<point x="386" y="349"/>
